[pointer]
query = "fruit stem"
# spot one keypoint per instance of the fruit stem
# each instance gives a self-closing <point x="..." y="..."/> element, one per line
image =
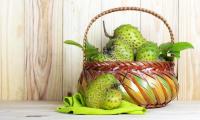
<point x="105" y="31"/>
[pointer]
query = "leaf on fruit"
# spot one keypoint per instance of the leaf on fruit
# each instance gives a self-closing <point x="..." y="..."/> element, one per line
<point x="90" y="50"/>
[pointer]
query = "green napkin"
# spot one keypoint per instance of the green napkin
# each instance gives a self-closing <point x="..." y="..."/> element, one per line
<point x="76" y="105"/>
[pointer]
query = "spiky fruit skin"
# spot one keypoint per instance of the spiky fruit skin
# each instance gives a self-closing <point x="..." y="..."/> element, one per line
<point x="96" y="90"/>
<point x="148" y="52"/>
<point x="120" y="50"/>
<point x="131" y="34"/>
<point x="101" y="57"/>
<point x="112" y="99"/>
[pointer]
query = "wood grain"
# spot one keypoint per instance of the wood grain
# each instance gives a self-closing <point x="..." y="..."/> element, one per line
<point x="43" y="75"/>
<point x="189" y="64"/>
<point x="152" y="28"/>
<point x="12" y="50"/>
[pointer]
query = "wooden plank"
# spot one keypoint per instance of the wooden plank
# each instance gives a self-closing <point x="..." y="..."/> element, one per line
<point x="76" y="16"/>
<point x="46" y="111"/>
<point x="1" y="21"/>
<point x="12" y="50"/>
<point x="189" y="64"/>
<point x="152" y="28"/>
<point x="116" y="19"/>
<point x="43" y="34"/>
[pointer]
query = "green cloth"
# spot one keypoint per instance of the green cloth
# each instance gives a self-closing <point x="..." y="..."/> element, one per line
<point x="76" y="105"/>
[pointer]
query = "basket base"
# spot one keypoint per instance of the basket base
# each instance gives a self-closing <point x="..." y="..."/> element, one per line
<point x="155" y="106"/>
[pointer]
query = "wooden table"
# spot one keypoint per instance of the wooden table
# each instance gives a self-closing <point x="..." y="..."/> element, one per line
<point x="46" y="111"/>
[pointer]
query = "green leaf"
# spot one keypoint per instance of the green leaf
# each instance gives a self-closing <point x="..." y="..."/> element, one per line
<point x="90" y="50"/>
<point x="71" y="42"/>
<point x="181" y="46"/>
<point x="173" y="49"/>
<point x="164" y="48"/>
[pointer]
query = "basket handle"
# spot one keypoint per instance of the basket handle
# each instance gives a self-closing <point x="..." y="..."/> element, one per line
<point x="126" y="9"/>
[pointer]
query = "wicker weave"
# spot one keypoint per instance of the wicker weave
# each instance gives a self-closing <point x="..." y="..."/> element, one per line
<point x="148" y="84"/>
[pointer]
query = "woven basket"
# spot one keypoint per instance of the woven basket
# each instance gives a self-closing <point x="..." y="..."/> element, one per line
<point x="148" y="84"/>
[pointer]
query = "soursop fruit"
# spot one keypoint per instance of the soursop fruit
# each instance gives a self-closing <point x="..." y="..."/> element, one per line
<point x="120" y="50"/>
<point x="148" y="52"/>
<point x="101" y="57"/>
<point x="128" y="33"/>
<point x="96" y="90"/>
<point x="112" y="99"/>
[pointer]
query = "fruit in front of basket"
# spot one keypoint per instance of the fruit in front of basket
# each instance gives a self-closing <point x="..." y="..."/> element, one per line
<point x="91" y="52"/>
<point x="112" y="99"/>
<point x="96" y="90"/>
<point x="128" y="33"/>
<point x="120" y="51"/>
<point x="169" y="51"/>
<point x="148" y="52"/>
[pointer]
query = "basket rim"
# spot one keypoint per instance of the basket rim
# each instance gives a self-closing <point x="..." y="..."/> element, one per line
<point x="129" y="65"/>
<point x="118" y="61"/>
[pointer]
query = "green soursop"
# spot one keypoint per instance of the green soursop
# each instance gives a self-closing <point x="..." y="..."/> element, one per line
<point x="96" y="90"/>
<point x="130" y="34"/>
<point x="101" y="57"/>
<point x="121" y="51"/>
<point x="148" y="52"/>
<point x="112" y="99"/>
<point x="127" y="32"/>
